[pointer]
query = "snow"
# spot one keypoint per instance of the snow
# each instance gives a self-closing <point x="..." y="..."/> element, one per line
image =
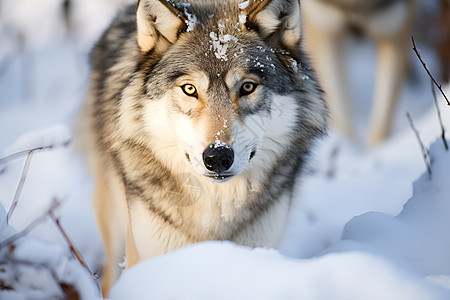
<point x="242" y="18"/>
<point x="56" y="135"/>
<point x="191" y="19"/>
<point x="220" y="42"/>
<point x="366" y="223"/>
<point x="244" y="5"/>
<point x="415" y="236"/>
<point x="228" y="271"/>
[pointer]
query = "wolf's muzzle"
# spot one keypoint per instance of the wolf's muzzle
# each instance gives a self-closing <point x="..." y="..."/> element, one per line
<point x="218" y="158"/>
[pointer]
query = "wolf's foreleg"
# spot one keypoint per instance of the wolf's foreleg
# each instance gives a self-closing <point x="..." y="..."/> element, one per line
<point x="110" y="208"/>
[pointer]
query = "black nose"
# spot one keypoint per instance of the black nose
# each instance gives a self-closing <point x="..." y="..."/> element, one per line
<point x="218" y="158"/>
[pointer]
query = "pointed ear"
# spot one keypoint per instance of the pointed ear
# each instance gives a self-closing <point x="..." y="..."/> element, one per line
<point x="276" y="19"/>
<point x="158" y="24"/>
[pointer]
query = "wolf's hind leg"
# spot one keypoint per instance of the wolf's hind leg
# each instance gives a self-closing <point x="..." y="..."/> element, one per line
<point x="325" y="44"/>
<point x="391" y="71"/>
<point x="391" y="33"/>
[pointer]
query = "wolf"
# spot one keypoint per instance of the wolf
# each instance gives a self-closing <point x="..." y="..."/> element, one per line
<point x="389" y="24"/>
<point x="200" y="118"/>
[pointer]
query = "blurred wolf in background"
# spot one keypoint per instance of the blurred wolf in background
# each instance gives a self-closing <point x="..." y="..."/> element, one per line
<point x="389" y="23"/>
<point x="200" y="115"/>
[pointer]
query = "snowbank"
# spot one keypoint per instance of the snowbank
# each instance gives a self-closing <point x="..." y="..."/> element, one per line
<point x="221" y="270"/>
<point x="417" y="236"/>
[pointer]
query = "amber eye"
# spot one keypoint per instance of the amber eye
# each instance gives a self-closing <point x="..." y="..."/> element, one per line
<point x="189" y="90"/>
<point x="247" y="88"/>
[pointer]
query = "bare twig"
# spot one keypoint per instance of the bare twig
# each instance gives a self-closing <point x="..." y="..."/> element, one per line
<point x="25" y="169"/>
<point x="31" y="226"/>
<point x="439" y="117"/>
<point x="424" y="152"/>
<point x="19" y="154"/>
<point x="429" y="74"/>
<point x="74" y="251"/>
<point x="19" y="189"/>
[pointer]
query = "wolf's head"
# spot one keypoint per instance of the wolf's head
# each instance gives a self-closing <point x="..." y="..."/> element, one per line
<point x="220" y="85"/>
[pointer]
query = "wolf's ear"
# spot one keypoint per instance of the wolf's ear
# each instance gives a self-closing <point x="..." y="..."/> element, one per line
<point x="158" y="24"/>
<point x="276" y="20"/>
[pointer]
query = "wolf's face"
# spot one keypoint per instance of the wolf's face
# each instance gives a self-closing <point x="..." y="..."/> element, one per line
<point x="220" y="119"/>
<point x="210" y="121"/>
<point x="223" y="93"/>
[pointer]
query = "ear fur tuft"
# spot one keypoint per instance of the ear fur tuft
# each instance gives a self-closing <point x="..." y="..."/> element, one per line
<point x="158" y="24"/>
<point x="276" y="18"/>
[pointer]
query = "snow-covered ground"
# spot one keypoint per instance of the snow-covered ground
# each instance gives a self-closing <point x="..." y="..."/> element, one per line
<point x="367" y="223"/>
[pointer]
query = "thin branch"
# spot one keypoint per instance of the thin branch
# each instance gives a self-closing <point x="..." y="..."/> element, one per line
<point x="424" y="152"/>
<point x="19" y="154"/>
<point x="19" y="189"/>
<point x="429" y="74"/>
<point x="25" y="169"/>
<point x="439" y="117"/>
<point x="74" y="251"/>
<point x="31" y="226"/>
